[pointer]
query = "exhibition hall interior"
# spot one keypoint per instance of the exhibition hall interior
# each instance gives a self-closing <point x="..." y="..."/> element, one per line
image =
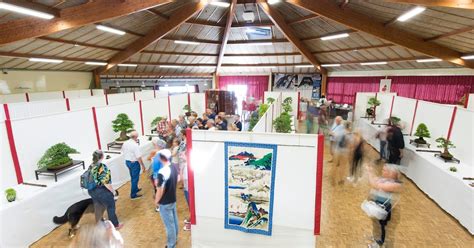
<point x="236" y="123"/>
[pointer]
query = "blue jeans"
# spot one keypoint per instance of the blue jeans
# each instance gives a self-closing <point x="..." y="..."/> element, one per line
<point x="104" y="199"/>
<point x="186" y="196"/>
<point x="383" y="144"/>
<point x="169" y="216"/>
<point x="134" y="169"/>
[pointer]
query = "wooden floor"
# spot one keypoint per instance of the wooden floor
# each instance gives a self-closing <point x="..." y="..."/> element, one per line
<point x="417" y="221"/>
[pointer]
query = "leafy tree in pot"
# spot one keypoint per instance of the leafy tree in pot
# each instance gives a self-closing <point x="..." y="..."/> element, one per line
<point x="56" y="157"/>
<point x="282" y="123"/>
<point x="422" y="132"/>
<point x="155" y="121"/>
<point x="188" y="110"/>
<point x="446" y="144"/>
<point x="270" y="100"/>
<point x="122" y="124"/>
<point x="373" y="102"/>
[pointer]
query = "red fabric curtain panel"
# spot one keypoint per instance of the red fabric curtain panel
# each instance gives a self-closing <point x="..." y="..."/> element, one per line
<point x="256" y="85"/>
<point x="343" y="89"/>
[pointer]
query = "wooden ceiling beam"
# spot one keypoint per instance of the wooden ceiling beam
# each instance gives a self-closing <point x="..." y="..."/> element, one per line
<point x="461" y="4"/>
<point x="250" y="42"/>
<point x="73" y="17"/>
<point x="368" y="61"/>
<point x="279" y="21"/>
<point x="79" y="43"/>
<point x="158" y="13"/>
<point x="364" y="23"/>
<point x="452" y="33"/>
<point x="303" y="19"/>
<point x="179" y="16"/>
<point x="226" y="34"/>
<point x="33" y="6"/>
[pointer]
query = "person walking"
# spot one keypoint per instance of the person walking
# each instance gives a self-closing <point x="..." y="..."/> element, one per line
<point x="396" y="144"/>
<point x="323" y="120"/>
<point x="103" y="194"/>
<point x="133" y="160"/>
<point x="336" y="129"/>
<point x="166" y="197"/>
<point x="342" y="140"/>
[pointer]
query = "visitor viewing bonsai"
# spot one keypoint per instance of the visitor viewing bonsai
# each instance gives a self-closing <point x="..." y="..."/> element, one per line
<point x="122" y="124"/>
<point x="422" y="132"/>
<point x="445" y="144"/>
<point x="10" y="194"/>
<point x="373" y="102"/>
<point x="56" y="157"/>
<point x="188" y="110"/>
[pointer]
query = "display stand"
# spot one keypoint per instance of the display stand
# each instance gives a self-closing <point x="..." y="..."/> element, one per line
<point x="453" y="160"/>
<point x="117" y="145"/>
<point x="412" y="142"/>
<point x="55" y="173"/>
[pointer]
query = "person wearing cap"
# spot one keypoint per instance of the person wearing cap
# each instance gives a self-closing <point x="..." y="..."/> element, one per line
<point x="133" y="160"/>
<point x="103" y="194"/>
<point x="166" y="197"/>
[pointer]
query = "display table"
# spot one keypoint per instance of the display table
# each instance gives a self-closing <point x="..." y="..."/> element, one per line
<point x="432" y="176"/>
<point x="30" y="217"/>
<point x="55" y="173"/>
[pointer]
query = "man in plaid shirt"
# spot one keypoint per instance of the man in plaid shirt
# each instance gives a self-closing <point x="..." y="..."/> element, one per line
<point x="162" y="128"/>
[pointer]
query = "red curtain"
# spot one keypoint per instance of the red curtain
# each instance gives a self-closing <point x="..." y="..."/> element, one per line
<point x="256" y="85"/>
<point x="343" y="89"/>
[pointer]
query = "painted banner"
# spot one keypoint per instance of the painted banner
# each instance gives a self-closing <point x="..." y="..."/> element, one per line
<point x="249" y="186"/>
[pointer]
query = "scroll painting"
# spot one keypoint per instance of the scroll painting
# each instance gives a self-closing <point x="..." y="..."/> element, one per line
<point x="249" y="186"/>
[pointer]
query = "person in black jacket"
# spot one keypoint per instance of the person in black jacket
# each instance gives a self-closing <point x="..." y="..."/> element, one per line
<point x="396" y="144"/>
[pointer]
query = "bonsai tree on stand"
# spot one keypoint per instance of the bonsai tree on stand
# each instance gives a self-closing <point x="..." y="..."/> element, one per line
<point x="122" y="124"/>
<point x="270" y="100"/>
<point x="188" y="110"/>
<point x="370" y="111"/>
<point x="56" y="157"/>
<point x="422" y="132"/>
<point x="446" y="144"/>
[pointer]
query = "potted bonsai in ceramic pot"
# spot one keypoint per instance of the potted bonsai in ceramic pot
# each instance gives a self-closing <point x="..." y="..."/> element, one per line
<point x="56" y="157"/>
<point x="10" y="194"/>
<point x="372" y="103"/>
<point x="445" y="144"/>
<point x="422" y="132"/>
<point x="188" y="110"/>
<point x="122" y="124"/>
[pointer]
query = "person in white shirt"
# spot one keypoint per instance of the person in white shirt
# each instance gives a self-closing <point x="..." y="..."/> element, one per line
<point x="336" y="130"/>
<point x="133" y="160"/>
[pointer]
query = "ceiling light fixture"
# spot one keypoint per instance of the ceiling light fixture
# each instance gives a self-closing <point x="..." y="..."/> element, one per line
<point x="467" y="57"/>
<point x="128" y="65"/>
<point x="194" y="43"/>
<point x="411" y="13"/>
<point x="335" y="36"/>
<point x="428" y="60"/>
<point x="261" y="44"/>
<point x="374" y="63"/>
<point x="25" y="11"/>
<point x="331" y="65"/>
<point x="303" y="66"/>
<point x="273" y="1"/>
<point x="110" y="30"/>
<point x="170" y="66"/>
<point x="56" y="61"/>
<point x="95" y="63"/>
<point x="220" y="4"/>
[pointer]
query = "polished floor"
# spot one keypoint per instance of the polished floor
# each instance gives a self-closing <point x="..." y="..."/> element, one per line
<point x="417" y="221"/>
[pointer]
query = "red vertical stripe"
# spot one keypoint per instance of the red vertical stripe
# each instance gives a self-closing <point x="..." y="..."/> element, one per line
<point x="64" y="94"/>
<point x="467" y="100"/>
<point x="319" y="185"/>
<point x="354" y="107"/>
<point x="11" y="142"/>
<point x="68" y="107"/>
<point x="96" y="126"/>
<point x="169" y="108"/>
<point x="27" y="97"/>
<point x="106" y="99"/>
<point x="189" y="100"/>
<point x="453" y="116"/>
<point x="134" y="97"/>
<point x="413" y="120"/>
<point x="298" y="108"/>
<point x="391" y="106"/>
<point x="192" y="204"/>
<point x="92" y="93"/>
<point x="141" y="116"/>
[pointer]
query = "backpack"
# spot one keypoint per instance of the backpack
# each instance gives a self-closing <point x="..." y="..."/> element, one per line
<point x="87" y="179"/>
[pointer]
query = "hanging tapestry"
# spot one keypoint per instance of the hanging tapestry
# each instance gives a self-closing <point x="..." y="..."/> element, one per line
<point x="249" y="186"/>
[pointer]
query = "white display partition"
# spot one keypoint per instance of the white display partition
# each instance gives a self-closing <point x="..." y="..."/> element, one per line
<point x="12" y="98"/>
<point x="272" y="94"/>
<point x="198" y="102"/>
<point x="262" y="125"/>
<point x="295" y="97"/>
<point x="308" y="94"/>
<point x="74" y="128"/>
<point x="291" y="228"/>
<point x="161" y="93"/>
<point x="177" y="102"/>
<point x="87" y="103"/>
<point x="120" y="98"/>
<point x="145" y="95"/>
<point x="152" y="109"/>
<point x="77" y="93"/>
<point x="437" y="118"/>
<point x="382" y="112"/>
<point x="22" y="110"/>
<point x="39" y="96"/>
<point x="105" y="116"/>
<point x="7" y="175"/>
<point x="360" y="105"/>
<point x="462" y="135"/>
<point x="470" y="102"/>
<point x="404" y="108"/>
<point x="97" y="92"/>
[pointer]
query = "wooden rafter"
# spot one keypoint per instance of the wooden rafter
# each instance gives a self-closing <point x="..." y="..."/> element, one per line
<point x="77" y="16"/>
<point x="226" y="34"/>
<point x="364" y="23"/>
<point x="279" y="21"/>
<point x="452" y="33"/>
<point x="303" y="19"/>
<point x="158" y="13"/>
<point x="179" y="16"/>
<point x="79" y="43"/>
<point x="260" y="54"/>
<point x="462" y="4"/>
<point x="33" y="6"/>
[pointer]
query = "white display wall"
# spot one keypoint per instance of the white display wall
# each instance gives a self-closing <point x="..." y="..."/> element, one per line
<point x="361" y="104"/>
<point x="177" y="103"/>
<point x="38" y="96"/>
<point x="295" y="229"/>
<point x="152" y="109"/>
<point x="120" y="98"/>
<point x="7" y="175"/>
<point x="105" y="116"/>
<point x="77" y="93"/>
<point x="87" y="103"/>
<point x="198" y="103"/>
<point x="437" y="118"/>
<point x="404" y="108"/>
<point x="470" y="102"/>
<point x="97" y="92"/>
<point x="382" y="112"/>
<point x="145" y="95"/>
<point x="13" y="98"/>
<point x="38" y="108"/>
<point x="462" y="135"/>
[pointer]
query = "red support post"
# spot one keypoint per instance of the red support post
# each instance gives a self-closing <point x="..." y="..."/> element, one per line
<point x="27" y="97"/>
<point x="68" y="107"/>
<point x="414" y="116"/>
<point x="466" y="102"/>
<point x="92" y="93"/>
<point x="298" y="108"/>
<point x="96" y="126"/>
<point x="11" y="142"/>
<point x="319" y="185"/>
<point x="169" y="109"/>
<point x="453" y="117"/>
<point x="64" y="95"/>
<point x="391" y="106"/>
<point x="106" y="99"/>
<point x="134" y="97"/>
<point x="192" y="202"/>
<point x="141" y="116"/>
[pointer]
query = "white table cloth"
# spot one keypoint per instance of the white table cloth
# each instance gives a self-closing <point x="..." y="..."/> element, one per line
<point x="29" y="218"/>
<point x="432" y="176"/>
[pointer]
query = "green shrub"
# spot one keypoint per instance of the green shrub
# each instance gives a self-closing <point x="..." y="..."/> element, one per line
<point x="56" y="155"/>
<point x="422" y="131"/>
<point x="262" y="109"/>
<point x="282" y="123"/>
<point x="373" y="102"/>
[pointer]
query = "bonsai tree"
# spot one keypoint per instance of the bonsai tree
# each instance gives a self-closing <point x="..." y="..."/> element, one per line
<point x="188" y="110"/>
<point x="253" y="121"/>
<point x="395" y="120"/>
<point x="155" y="121"/>
<point x="422" y="132"/>
<point x="262" y="109"/>
<point x="270" y="100"/>
<point x="122" y="124"/>
<point x="10" y="194"/>
<point x="446" y="144"/>
<point x="287" y="104"/>
<point x="282" y="123"/>
<point x="56" y="157"/>
<point x="373" y="102"/>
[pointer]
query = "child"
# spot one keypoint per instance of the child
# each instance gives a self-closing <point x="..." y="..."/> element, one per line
<point x="174" y="153"/>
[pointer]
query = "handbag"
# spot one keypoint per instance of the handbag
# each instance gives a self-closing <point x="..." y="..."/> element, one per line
<point x="374" y="209"/>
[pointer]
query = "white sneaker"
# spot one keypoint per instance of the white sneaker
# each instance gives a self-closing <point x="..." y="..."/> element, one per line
<point x="157" y="209"/>
<point x="350" y="179"/>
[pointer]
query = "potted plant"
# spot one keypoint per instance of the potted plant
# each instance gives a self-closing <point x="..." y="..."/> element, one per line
<point x="287" y="104"/>
<point x="453" y="169"/>
<point x="446" y="144"/>
<point x="262" y="109"/>
<point x="270" y="100"/>
<point x="56" y="157"/>
<point x="395" y="120"/>
<point x="373" y="102"/>
<point x="422" y="132"/>
<point x="188" y="110"/>
<point x="10" y="194"/>
<point x="282" y="123"/>
<point x="122" y="124"/>
<point x="155" y="121"/>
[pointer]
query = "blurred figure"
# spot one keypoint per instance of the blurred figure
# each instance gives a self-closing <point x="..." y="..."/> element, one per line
<point x="342" y="140"/>
<point x="133" y="160"/>
<point x="323" y="120"/>
<point x="174" y="153"/>
<point x="237" y="123"/>
<point x="182" y="122"/>
<point x="221" y="123"/>
<point x="210" y="114"/>
<point x="210" y="125"/>
<point x="162" y="127"/>
<point x="183" y="173"/>
<point x="191" y="122"/>
<point x="175" y="127"/>
<point x="103" y="235"/>
<point x="357" y="144"/>
<point x="156" y="164"/>
<point x="336" y="129"/>
<point x="204" y="119"/>
<point x="303" y="108"/>
<point x="396" y="144"/>
<point x="384" y="190"/>
<point x="311" y="112"/>
<point x="382" y="136"/>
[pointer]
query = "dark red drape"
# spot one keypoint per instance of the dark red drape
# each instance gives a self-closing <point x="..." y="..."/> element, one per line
<point x="256" y="85"/>
<point x="441" y="89"/>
